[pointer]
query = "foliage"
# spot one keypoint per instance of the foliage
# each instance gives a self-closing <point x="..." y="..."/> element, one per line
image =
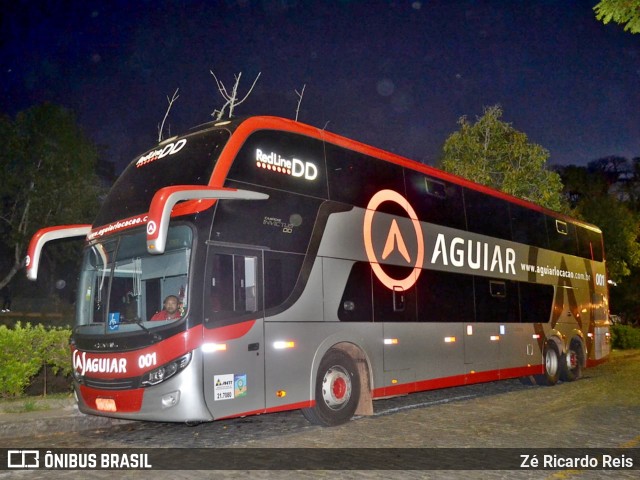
<point x="24" y="350"/>
<point x="493" y="153"/>
<point x="625" y="337"/>
<point x="620" y="229"/>
<point x="604" y="193"/>
<point x="580" y="183"/>
<point x="625" y="12"/>
<point x="624" y="297"/>
<point x="48" y="167"/>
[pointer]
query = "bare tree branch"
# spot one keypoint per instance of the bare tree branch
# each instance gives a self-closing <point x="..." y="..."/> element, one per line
<point x="300" y="94"/>
<point x="170" y="100"/>
<point x="231" y="99"/>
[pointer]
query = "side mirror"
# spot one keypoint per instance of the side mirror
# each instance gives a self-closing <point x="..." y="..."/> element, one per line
<point x="165" y="199"/>
<point x="44" y="235"/>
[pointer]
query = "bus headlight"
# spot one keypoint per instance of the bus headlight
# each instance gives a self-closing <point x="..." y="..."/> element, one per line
<point x="166" y="371"/>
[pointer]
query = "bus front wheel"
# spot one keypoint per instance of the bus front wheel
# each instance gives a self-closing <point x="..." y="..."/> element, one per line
<point x="337" y="390"/>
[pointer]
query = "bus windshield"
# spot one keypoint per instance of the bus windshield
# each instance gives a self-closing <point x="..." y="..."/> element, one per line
<point x="185" y="161"/>
<point x="123" y="288"/>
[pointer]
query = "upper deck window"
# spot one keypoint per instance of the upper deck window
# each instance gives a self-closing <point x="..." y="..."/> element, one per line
<point x="436" y="201"/>
<point x="284" y="161"/>
<point x="186" y="161"/>
<point x="354" y="178"/>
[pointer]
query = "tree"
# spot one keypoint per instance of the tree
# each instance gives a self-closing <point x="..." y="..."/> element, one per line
<point x="48" y="167"/>
<point x="624" y="12"/>
<point x="620" y="229"/>
<point x="493" y="153"/>
<point x="580" y="182"/>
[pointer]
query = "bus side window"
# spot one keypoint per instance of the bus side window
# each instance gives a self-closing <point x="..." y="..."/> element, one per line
<point x="445" y="297"/>
<point x="487" y="215"/>
<point x="346" y="170"/>
<point x="528" y="226"/>
<point x="392" y="303"/>
<point x="562" y="236"/>
<point x="496" y="300"/>
<point x="232" y="286"/>
<point x="435" y="201"/>
<point x="355" y="304"/>
<point x="589" y="244"/>
<point x="536" y="302"/>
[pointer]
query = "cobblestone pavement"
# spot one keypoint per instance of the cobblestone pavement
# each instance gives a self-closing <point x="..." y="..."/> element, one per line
<point x="600" y="411"/>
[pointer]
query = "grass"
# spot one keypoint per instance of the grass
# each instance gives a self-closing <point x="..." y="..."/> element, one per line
<point x="34" y="404"/>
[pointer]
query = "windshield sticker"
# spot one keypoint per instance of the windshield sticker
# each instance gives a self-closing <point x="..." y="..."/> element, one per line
<point x="154" y="155"/>
<point x="223" y="387"/>
<point x="114" y="321"/>
<point x="116" y="226"/>
<point x="240" y="383"/>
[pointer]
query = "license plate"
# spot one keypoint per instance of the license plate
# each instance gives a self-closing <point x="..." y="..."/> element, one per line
<point x="106" y="404"/>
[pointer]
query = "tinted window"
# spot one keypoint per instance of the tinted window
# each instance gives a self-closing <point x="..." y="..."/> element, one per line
<point x="188" y="161"/>
<point x="355" y="304"/>
<point x="354" y="178"/>
<point x="496" y="300"/>
<point x="528" y="226"/>
<point x="282" y="222"/>
<point x="435" y="201"/>
<point x="281" y="274"/>
<point x="395" y="305"/>
<point x="282" y="160"/>
<point x="562" y="236"/>
<point x="589" y="244"/>
<point x="536" y="301"/>
<point x="232" y="287"/>
<point x="445" y="297"/>
<point x="487" y="215"/>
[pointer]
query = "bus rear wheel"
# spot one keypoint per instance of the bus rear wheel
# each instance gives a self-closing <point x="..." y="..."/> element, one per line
<point x="551" y="363"/>
<point x="337" y="390"/>
<point x="572" y="362"/>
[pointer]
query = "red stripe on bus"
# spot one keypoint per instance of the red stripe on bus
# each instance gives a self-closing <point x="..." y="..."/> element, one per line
<point x="279" y="408"/>
<point x="456" y="381"/>
<point x="229" y="332"/>
<point x="594" y="362"/>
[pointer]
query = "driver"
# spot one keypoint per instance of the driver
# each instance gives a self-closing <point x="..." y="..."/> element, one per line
<point x="170" y="310"/>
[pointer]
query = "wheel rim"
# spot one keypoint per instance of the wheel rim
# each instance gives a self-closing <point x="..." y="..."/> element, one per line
<point x="551" y="362"/>
<point x="336" y="387"/>
<point x="572" y="359"/>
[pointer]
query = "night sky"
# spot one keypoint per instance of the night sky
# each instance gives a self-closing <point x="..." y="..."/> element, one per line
<point x="394" y="74"/>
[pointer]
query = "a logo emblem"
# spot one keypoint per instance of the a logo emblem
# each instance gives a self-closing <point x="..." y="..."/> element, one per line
<point x="395" y="241"/>
<point x="151" y="227"/>
<point x="23" y="459"/>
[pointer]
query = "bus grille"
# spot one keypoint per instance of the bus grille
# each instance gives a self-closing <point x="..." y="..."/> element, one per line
<point x="119" y="384"/>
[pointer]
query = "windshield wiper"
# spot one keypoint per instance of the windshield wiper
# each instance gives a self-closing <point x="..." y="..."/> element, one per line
<point x="138" y="321"/>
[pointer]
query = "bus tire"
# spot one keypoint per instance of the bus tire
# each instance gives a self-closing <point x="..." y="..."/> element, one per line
<point x="337" y="390"/>
<point x="551" y="358"/>
<point x="572" y="362"/>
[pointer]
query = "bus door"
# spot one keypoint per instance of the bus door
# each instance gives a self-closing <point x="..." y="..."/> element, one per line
<point x="495" y="306"/>
<point x="233" y="347"/>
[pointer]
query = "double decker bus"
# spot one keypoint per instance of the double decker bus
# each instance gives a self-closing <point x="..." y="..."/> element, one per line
<point x="313" y="272"/>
